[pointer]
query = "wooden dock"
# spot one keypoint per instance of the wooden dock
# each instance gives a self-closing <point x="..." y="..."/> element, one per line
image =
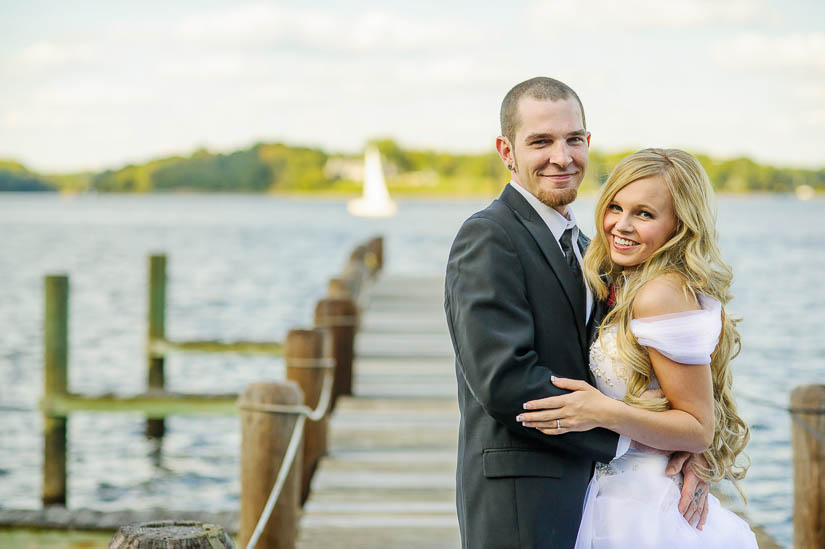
<point x="388" y="480"/>
<point x="389" y="477"/>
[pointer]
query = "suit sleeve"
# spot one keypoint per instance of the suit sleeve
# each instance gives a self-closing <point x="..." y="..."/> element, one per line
<point x="492" y="328"/>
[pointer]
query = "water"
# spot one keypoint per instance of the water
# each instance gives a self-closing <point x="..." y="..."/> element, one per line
<point x="251" y="267"/>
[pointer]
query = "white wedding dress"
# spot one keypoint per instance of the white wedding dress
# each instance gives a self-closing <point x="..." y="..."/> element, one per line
<point x="630" y="502"/>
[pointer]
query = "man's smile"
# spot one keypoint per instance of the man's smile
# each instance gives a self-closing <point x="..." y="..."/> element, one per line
<point x="558" y="176"/>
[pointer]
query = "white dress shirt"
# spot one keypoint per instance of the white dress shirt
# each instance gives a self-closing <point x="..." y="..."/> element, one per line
<point x="557" y="223"/>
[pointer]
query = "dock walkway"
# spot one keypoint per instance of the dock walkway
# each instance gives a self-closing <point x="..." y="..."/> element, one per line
<point x="388" y="480"/>
<point x="389" y="477"/>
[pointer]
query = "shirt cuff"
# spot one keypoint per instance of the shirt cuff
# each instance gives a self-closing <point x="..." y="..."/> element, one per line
<point x="623" y="446"/>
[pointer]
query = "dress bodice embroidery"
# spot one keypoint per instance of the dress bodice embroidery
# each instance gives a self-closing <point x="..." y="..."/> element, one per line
<point x="610" y="373"/>
<point x="687" y="337"/>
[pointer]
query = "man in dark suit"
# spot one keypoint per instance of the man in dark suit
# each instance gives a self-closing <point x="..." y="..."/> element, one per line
<point x="518" y="311"/>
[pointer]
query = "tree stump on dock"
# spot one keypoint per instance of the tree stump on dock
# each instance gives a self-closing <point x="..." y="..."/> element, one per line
<point x="171" y="534"/>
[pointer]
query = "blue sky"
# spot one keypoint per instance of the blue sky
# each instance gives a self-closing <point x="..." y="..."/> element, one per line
<point x="91" y="85"/>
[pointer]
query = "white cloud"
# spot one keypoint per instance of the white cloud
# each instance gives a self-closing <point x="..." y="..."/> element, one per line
<point x="643" y="13"/>
<point x="92" y="94"/>
<point x="759" y="51"/>
<point x="813" y="118"/>
<point x="810" y="91"/>
<point x="12" y="119"/>
<point x="374" y="31"/>
<point x="46" y="56"/>
<point x="210" y="66"/>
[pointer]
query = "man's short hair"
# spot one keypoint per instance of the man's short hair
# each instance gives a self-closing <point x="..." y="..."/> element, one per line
<point x="541" y="88"/>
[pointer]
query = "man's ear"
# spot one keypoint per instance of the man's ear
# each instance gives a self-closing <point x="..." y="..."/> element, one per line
<point x="505" y="151"/>
<point x="588" y="139"/>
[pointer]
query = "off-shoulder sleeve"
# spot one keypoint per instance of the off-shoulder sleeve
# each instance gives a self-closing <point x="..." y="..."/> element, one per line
<point x="688" y="337"/>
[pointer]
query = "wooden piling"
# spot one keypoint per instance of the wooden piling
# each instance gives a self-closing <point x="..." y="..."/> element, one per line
<point x="171" y="534"/>
<point x="375" y="249"/>
<point x="339" y="287"/>
<point x="358" y="253"/>
<point x="304" y="351"/>
<point x="340" y="315"/>
<point x="157" y="330"/>
<point x="55" y="375"/>
<point x="807" y="405"/>
<point x="264" y="440"/>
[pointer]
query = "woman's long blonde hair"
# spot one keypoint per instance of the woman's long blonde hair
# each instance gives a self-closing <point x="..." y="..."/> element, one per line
<point x="691" y="253"/>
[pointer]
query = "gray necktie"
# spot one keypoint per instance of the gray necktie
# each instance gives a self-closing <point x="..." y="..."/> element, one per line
<point x="573" y="263"/>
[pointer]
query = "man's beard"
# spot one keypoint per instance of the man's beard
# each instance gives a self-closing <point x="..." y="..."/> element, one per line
<point x="557" y="197"/>
<point x="553" y="197"/>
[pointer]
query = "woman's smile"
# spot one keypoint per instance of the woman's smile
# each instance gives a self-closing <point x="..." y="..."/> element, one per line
<point x="623" y="243"/>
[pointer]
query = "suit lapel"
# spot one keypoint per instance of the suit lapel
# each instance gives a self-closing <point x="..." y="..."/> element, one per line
<point x="535" y="225"/>
<point x="584" y="242"/>
<point x="597" y="311"/>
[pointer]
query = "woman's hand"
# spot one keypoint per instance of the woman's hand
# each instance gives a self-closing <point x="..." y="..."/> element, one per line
<point x="581" y="410"/>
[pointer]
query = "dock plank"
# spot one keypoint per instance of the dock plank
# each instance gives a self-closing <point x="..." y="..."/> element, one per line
<point x="388" y="480"/>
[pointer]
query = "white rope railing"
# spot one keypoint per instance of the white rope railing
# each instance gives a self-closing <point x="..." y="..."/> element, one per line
<point x="303" y="412"/>
<point x="794" y="412"/>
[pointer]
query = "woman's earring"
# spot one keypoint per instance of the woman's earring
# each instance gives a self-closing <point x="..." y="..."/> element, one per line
<point x="509" y="167"/>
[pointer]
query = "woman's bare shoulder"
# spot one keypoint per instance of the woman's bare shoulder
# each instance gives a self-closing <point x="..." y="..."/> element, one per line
<point x="663" y="295"/>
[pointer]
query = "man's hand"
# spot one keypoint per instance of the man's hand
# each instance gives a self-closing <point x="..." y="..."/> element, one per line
<point x="694" y="502"/>
<point x="636" y="445"/>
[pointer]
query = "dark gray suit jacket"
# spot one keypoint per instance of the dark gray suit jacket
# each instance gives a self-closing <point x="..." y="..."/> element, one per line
<point x="513" y="320"/>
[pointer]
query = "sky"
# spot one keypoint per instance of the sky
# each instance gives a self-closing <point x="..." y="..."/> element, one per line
<point x="96" y="85"/>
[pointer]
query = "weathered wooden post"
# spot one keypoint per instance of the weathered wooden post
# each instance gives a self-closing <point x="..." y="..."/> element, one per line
<point x="358" y="263"/>
<point x="351" y="279"/>
<point x="358" y="253"/>
<point x="157" y="330"/>
<point x="339" y="287"/>
<point x="264" y="439"/>
<point x="55" y="375"/>
<point x="808" y="407"/>
<point x="171" y="534"/>
<point x="303" y="354"/>
<point x="340" y="315"/>
<point x="376" y="250"/>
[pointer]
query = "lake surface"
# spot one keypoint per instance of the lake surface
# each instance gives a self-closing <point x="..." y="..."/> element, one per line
<point x="252" y="267"/>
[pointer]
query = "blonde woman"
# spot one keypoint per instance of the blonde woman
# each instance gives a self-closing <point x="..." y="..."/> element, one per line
<point x="655" y="256"/>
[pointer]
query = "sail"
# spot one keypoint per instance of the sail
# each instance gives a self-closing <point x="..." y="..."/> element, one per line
<point x="375" y="201"/>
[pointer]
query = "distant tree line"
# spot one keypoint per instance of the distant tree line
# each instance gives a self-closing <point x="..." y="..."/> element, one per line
<point x="279" y="168"/>
<point x="262" y="168"/>
<point x="15" y="177"/>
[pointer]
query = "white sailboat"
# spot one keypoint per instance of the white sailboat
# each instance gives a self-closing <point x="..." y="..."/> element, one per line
<point x="376" y="201"/>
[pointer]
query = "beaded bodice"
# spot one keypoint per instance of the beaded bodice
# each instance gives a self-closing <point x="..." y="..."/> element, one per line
<point x="610" y="374"/>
